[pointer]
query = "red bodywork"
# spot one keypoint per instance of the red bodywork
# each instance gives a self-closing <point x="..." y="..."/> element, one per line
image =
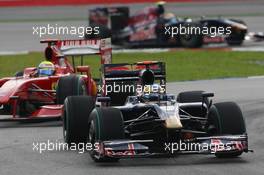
<point x="147" y="17"/>
<point x="33" y="89"/>
<point x="142" y="25"/>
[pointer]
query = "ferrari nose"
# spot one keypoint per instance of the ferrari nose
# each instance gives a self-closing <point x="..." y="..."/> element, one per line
<point x="3" y="100"/>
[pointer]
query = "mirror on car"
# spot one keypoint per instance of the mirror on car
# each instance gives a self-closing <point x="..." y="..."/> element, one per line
<point x="206" y="95"/>
<point x="83" y="69"/>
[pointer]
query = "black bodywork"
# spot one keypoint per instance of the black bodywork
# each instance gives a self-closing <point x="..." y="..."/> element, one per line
<point x="129" y="76"/>
<point x="153" y="123"/>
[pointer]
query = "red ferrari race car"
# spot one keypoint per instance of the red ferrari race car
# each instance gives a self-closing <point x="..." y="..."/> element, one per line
<point x="38" y="93"/>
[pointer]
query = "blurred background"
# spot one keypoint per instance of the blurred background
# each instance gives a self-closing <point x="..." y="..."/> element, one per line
<point x="17" y="17"/>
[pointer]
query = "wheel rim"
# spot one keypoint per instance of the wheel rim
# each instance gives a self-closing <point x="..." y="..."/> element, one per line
<point x="83" y="90"/>
<point x="91" y="133"/>
<point x="64" y="126"/>
<point x="91" y="139"/>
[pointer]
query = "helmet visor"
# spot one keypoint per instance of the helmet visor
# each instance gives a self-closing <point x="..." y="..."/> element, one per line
<point x="45" y="72"/>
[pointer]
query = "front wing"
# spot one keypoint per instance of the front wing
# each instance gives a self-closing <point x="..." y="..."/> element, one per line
<point x="200" y="145"/>
<point x="45" y="113"/>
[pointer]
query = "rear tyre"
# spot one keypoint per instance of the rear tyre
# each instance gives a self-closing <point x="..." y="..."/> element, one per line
<point x="75" y="118"/>
<point x="119" y="98"/>
<point x="192" y="40"/>
<point x="70" y="86"/>
<point x="227" y="119"/>
<point x="105" y="124"/>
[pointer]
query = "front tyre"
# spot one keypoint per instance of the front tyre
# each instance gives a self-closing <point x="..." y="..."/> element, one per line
<point x="237" y="36"/>
<point x="235" y="39"/>
<point x="192" y="40"/>
<point x="227" y="119"/>
<point x="75" y="117"/>
<point x="105" y="124"/>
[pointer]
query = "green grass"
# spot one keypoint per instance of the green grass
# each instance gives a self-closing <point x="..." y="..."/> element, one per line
<point x="181" y="65"/>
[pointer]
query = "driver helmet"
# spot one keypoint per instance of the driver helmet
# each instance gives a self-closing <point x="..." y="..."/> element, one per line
<point x="46" y="68"/>
<point x="152" y="93"/>
<point x="160" y="7"/>
<point x="151" y="89"/>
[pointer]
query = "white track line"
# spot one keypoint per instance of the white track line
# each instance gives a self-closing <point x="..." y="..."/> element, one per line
<point x="155" y="50"/>
<point x="14" y="52"/>
<point x="256" y="77"/>
<point x="250" y="49"/>
<point x="150" y="50"/>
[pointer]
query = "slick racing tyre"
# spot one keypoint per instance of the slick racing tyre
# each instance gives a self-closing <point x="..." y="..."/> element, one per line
<point x="235" y="39"/>
<point x="75" y="118"/>
<point x="237" y="36"/>
<point x="70" y="86"/>
<point x="226" y="119"/>
<point x="191" y="40"/>
<point x="105" y="124"/>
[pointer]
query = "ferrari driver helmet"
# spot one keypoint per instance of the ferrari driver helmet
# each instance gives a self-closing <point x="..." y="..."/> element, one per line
<point x="46" y="68"/>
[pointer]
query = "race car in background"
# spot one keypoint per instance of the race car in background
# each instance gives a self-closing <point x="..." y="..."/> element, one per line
<point x="153" y="123"/>
<point x="148" y="28"/>
<point x="32" y="95"/>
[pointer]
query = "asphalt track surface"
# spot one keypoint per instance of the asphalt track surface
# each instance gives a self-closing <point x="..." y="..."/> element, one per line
<point x="16" y="23"/>
<point x="17" y="155"/>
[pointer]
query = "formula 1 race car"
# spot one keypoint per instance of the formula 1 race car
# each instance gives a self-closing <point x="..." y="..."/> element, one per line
<point x="153" y="123"/>
<point x="38" y="93"/>
<point x="153" y="27"/>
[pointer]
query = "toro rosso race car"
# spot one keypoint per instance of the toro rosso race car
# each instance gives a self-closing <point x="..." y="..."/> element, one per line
<point x="37" y="93"/>
<point x="153" y="122"/>
<point x="152" y="26"/>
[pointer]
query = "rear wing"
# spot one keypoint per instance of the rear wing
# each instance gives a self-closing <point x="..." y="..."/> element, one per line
<point x="130" y="72"/>
<point x="126" y="77"/>
<point x="60" y="48"/>
<point x="114" y="18"/>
